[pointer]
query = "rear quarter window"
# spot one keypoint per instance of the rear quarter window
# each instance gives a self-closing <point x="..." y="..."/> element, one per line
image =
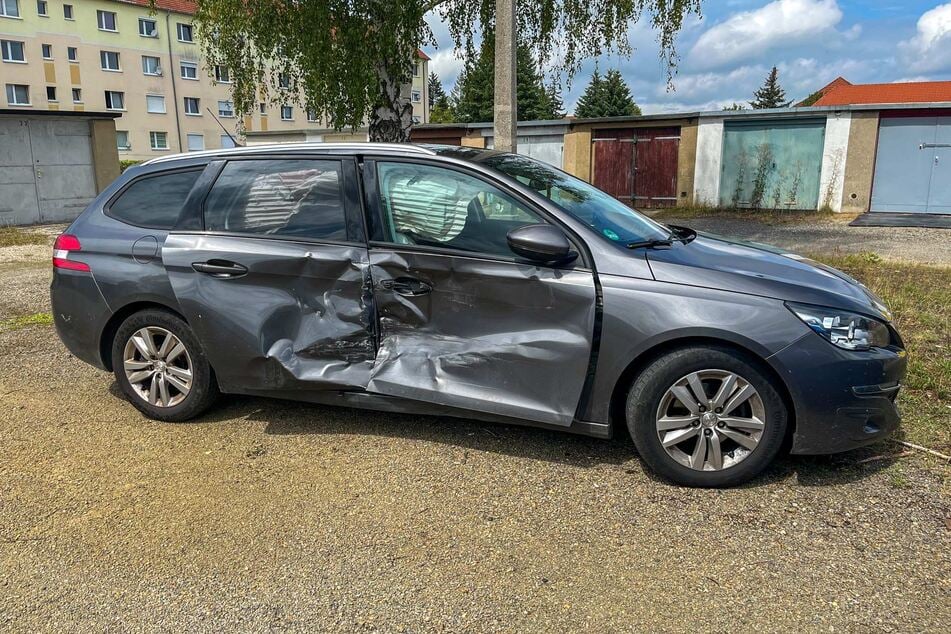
<point x="154" y="201"/>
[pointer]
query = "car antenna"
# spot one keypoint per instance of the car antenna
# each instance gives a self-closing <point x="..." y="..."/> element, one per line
<point x="230" y="136"/>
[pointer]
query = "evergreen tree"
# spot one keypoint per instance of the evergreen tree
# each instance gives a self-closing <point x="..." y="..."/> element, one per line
<point x="435" y="89"/>
<point x="442" y="111"/>
<point x="771" y="94"/>
<point x="735" y="106"/>
<point x="607" y="96"/>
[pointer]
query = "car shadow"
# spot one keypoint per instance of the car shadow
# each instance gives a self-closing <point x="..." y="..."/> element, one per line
<point x="288" y="418"/>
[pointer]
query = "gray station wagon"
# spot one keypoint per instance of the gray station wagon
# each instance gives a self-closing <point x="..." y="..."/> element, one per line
<point x="473" y="283"/>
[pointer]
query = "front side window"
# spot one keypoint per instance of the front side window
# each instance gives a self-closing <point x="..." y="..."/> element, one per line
<point x="225" y="109"/>
<point x="107" y="20"/>
<point x="147" y="28"/>
<point x="437" y="207"/>
<point x="115" y="100"/>
<point x="10" y="8"/>
<point x="192" y="105"/>
<point x="185" y="32"/>
<point x="294" y="198"/>
<point x="154" y="201"/>
<point x="109" y="60"/>
<point x="151" y="65"/>
<point x="196" y="142"/>
<point x="189" y="70"/>
<point x="18" y="95"/>
<point x="12" y="51"/>
<point x="122" y="140"/>
<point x="155" y="104"/>
<point x="158" y="140"/>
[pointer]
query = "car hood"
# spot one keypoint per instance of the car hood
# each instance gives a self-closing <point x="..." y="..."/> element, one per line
<point x="747" y="267"/>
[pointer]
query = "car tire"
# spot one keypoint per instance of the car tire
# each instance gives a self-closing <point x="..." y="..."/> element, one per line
<point x="161" y="367"/>
<point x="738" y="443"/>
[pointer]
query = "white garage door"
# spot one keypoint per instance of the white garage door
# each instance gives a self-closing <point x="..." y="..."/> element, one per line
<point x="544" y="147"/>
<point x="46" y="171"/>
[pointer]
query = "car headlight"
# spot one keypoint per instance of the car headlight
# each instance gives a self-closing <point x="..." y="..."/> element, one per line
<point x="847" y="330"/>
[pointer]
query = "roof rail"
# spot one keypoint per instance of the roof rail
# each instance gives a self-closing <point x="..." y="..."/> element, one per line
<point x="299" y="146"/>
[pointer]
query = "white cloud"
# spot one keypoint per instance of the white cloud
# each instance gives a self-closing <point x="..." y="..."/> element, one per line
<point x="781" y="23"/>
<point x="448" y="64"/>
<point x="930" y="49"/>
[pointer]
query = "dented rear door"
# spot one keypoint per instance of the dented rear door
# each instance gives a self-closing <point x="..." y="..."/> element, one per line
<point x="276" y="285"/>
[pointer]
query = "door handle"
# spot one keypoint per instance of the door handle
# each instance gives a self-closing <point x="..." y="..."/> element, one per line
<point x="220" y="268"/>
<point x="408" y="286"/>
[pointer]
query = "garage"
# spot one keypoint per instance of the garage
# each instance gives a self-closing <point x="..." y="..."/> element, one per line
<point x="638" y="166"/>
<point x="53" y="164"/>
<point x="913" y="165"/>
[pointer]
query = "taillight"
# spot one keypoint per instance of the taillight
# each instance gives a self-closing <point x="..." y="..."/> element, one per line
<point x="64" y="245"/>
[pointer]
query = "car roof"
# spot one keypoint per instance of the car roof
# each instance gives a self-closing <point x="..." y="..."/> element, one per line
<point x="306" y="147"/>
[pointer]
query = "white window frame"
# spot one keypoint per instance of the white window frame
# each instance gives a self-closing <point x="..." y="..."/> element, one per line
<point x="227" y="141"/>
<point x="54" y="99"/>
<point x="158" y="65"/>
<point x="43" y="48"/>
<point x="179" y="32"/>
<point x="100" y="22"/>
<point x="284" y="81"/>
<point x="73" y="94"/>
<point x="229" y="109"/>
<point x="75" y="58"/>
<point x="218" y="74"/>
<point x="128" y="141"/>
<point x="153" y="32"/>
<point x="159" y="100"/>
<point x="188" y="141"/>
<point x="290" y="110"/>
<point x="109" y="102"/>
<point x="6" y="51"/>
<point x="46" y="8"/>
<point x="104" y="55"/>
<point x="7" y="13"/>
<point x="72" y="12"/>
<point x="13" y="92"/>
<point x="197" y="101"/>
<point x="183" y="65"/>
<point x="312" y="117"/>
<point x="262" y="108"/>
<point x="416" y="96"/>
<point x="153" y="137"/>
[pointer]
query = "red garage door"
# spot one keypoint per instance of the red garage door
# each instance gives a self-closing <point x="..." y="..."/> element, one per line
<point x="638" y="166"/>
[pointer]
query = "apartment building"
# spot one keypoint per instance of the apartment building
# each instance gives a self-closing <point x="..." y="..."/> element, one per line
<point x="113" y="55"/>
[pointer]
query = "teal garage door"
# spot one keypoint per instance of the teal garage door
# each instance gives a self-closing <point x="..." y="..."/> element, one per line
<point x="772" y="164"/>
<point x="913" y="165"/>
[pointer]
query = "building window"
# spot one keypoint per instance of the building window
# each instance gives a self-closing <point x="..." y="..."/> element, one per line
<point x="77" y="95"/>
<point x="185" y="33"/>
<point x="262" y="108"/>
<point x="222" y="75"/>
<point x="47" y="51"/>
<point x="148" y="28"/>
<point x="225" y="109"/>
<point x="67" y="11"/>
<point x="287" y="113"/>
<point x="12" y="51"/>
<point x="109" y="60"/>
<point x="416" y="69"/>
<point x="106" y="20"/>
<point x="41" y="8"/>
<point x="417" y="96"/>
<point x="122" y="140"/>
<point x="115" y="100"/>
<point x="312" y="116"/>
<point x="158" y="140"/>
<point x="10" y="8"/>
<point x="18" y="95"/>
<point x="155" y="104"/>
<point x="196" y="142"/>
<point x="227" y="141"/>
<point x="71" y="53"/>
<point x="51" y="93"/>
<point x="151" y="65"/>
<point x="284" y="81"/>
<point x="192" y="105"/>
<point x="189" y="70"/>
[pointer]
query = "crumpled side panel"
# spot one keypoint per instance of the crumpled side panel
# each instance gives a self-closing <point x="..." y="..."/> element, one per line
<point x="497" y="337"/>
<point x="300" y="319"/>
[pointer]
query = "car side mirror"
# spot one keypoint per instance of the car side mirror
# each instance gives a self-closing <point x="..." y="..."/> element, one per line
<point x="541" y="243"/>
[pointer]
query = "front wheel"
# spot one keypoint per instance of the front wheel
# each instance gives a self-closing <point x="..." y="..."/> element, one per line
<point x="706" y="417"/>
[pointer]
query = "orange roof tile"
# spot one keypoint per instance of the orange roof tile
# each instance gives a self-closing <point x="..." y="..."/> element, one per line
<point x="178" y="6"/>
<point x="845" y="94"/>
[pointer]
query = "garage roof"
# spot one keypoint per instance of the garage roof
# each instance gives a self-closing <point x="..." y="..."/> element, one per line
<point x="841" y="92"/>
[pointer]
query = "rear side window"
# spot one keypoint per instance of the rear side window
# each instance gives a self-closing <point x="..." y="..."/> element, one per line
<point x="293" y="198"/>
<point x="154" y="201"/>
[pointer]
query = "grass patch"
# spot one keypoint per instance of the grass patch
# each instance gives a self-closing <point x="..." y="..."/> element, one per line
<point x="766" y="216"/>
<point x="25" y="321"/>
<point x="919" y="297"/>
<point x="15" y="236"/>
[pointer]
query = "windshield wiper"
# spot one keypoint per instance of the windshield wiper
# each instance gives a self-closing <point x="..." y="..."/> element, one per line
<point x="651" y="244"/>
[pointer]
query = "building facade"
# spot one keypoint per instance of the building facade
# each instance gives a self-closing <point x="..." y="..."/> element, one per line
<point x="114" y="55"/>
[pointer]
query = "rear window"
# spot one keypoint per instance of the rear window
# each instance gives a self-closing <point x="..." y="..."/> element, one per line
<point x="292" y="198"/>
<point x="154" y="201"/>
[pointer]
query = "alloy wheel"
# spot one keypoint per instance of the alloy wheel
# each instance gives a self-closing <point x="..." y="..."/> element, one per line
<point x="157" y="366"/>
<point x="710" y="420"/>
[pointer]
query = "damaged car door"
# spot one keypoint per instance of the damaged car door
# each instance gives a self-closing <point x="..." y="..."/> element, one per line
<point x="463" y="321"/>
<point x="274" y="279"/>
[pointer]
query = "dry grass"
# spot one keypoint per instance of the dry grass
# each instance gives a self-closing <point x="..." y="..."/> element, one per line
<point x="919" y="297"/>
<point x="766" y="216"/>
<point x="15" y="236"/>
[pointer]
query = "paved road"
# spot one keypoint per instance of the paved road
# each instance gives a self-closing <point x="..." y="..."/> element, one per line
<point x="274" y="515"/>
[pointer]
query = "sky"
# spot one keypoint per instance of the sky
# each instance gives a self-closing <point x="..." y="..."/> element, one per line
<point x="726" y="54"/>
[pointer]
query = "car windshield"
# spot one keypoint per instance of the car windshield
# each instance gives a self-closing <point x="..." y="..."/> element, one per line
<point x="603" y="213"/>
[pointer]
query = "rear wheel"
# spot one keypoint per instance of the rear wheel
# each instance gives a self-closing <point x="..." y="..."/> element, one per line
<point x="161" y="368"/>
<point x="706" y="416"/>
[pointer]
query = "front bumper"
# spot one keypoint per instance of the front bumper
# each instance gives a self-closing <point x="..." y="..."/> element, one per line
<point x="842" y="399"/>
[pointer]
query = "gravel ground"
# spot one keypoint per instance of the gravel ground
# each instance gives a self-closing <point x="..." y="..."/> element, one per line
<point x="925" y="246"/>
<point x="269" y="515"/>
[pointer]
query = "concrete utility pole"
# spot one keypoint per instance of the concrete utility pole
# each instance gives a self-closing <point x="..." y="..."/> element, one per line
<point x="506" y="102"/>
